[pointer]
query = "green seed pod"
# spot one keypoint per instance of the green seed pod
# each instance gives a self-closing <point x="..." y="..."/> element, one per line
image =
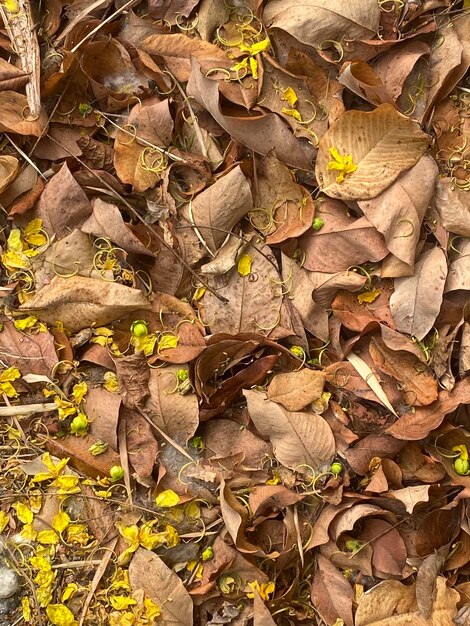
<point x="139" y="328"/>
<point x="298" y="351"/>
<point x="462" y="467"/>
<point x="182" y="375"/>
<point x="116" y="473"/>
<point x="336" y="468"/>
<point x="208" y="554"/>
<point x="318" y="223"/>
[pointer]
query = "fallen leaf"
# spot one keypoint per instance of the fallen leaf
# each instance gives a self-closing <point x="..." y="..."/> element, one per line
<point x="416" y="301"/>
<point x="161" y="584"/>
<point x="133" y="374"/>
<point x="426" y="581"/>
<point x="31" y="354"/>
<point x="79" y="302"/>
<point x="298" y="439"/>
<point x="102" y="409"/>
<point x="331" y="593"/>
<point x="391" y="597"/>
<point x="296" y="390"/>
<point x="383" y="144"/>
<point x="418" y="424"/>
<point x="315" y="21"/>
<point x="453" y="207"/>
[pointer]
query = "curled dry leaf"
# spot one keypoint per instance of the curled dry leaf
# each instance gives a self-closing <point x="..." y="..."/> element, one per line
<point x="9" y="167"/>
<point x="393" y="598"/>
<point x="79" y="302"/>
<point x="417" y="299"/>
<point x="314" y="21"/>
<point x="296" y="390"/>
<point x="418" y="424"/>
<point x="298" y="439"/>
<point x="382" y="143"/>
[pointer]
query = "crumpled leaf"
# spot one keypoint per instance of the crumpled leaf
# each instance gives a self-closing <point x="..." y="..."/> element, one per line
<point x="296" y="390"/>
<point x="79" y="302"/>
<point x="297" y="438"/>
<point x="383" y="144"/>
<point x="314" y="21"/>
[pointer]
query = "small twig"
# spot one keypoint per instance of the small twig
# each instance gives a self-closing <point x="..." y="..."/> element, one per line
<point x="167" y="438"/>
<point x="25" y="156"/>
<point x="26" y="409"/>
<point x="197" y="231"/>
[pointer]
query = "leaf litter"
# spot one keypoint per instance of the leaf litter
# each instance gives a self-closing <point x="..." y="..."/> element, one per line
<point x="234" y="336"/>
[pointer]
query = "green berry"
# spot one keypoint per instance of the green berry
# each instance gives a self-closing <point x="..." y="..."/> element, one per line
<point x="208" y="554"/>
<point x="462" y="467"/>
<point x="139" y="328"/>
<point x="318" y="223"/>
<point x="336" y="468"/>
<point x="116" y="473"/>
<point x="182" y="375"/>
<point x="298" y="351"/>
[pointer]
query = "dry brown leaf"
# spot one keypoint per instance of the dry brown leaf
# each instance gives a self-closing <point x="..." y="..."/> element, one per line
<point x="361" y="79"/>
<point x="222" y="205"/>
<point x="295" y="390"/>
<point x="141" y="444"/>
<point x="9" y="167"/>
<point x="392" y="598"/>
<point x="79" y="302"/>
<point x="224" y="439"/>
<point x="133" y="158"/>
<point x="262" y="133"/>
<point x="149" y="573"/>
<point x="418" y="424"/>
<point x="411" y="496"/>
<point x="419" y="387"/>
<point x="106" y="221"/>
<point x="63" y="205"/>
<point x="426" y="581"/>
<point x="331" y="593"/>
<point x="102" y="407"/>
<point x="247" y="309"/>
<point x="314" y="21"/>
<point x="383" y="144"/>
<point x="133" y="374"/>
<point x="342" y="242"/>
<point x="261" y="614"/>
<point x="398" y="212"/>
<point x="417" y="299"/>
<point x="453" y="207"/>
<point x="31" y="354"/>
<point x="297" y="438"/>
<point x="175" y="414"/>
<point x="12" y="118"/>
<point x="81" y="459"/>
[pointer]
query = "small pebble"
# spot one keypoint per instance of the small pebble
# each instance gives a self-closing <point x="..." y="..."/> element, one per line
<point x="9" y="583"/>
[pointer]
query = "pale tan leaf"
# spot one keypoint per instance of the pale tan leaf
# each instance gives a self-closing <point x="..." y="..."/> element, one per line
<point x="417" y="299"/>
<point x="453" y="207"/>
<point x="147" y="572"/>
<point x="261" y="616"/>
<point x="297" y="438"/>
<point x="314" y="21"/>
<point x="368" y="375"/>
<point x="79" y="302"/>
<point x="9" y="167"/>
<point x="383" y="144"/>
<point x="222" y="205"/>
<point x="411" y="496"/>
<point x="295" y="390"/>
<point x="392" y="603"/>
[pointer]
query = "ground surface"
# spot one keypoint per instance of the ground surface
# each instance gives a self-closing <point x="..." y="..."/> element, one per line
<point x="234" y="339"/>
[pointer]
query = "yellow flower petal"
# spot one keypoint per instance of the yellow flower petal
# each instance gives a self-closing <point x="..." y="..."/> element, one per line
<point x="60" y="615"/>
<point x="79" y="391"/>
<point x="292" y="113"/>
<point x="121" y="602"/>
<point x="26" y="609"/>
<point x="290" y="96"/>
<point x="23" y="513"/>
<point x="244" y="265"/>
<point x="166" y="342"/>
<point x="48" y="537"/>
<point x="61" y="521"/>
<point x="368" y="296"/>
<point x="4" y="521"/>
<point x="167" y="499"/>
<point x="69" y="591"/>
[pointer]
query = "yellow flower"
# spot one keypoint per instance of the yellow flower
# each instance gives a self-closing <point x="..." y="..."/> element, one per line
<point x="110" y="381"/>
<point x="54" y="468"/>
<point x="30" y="323"/>
<point x="28" y="533"/>
<point x="48" y="537"/>
<point x="77" y="533"/>
<point x="66" y="484"/>
<point x="69" y="591"/>
<point x="4" y="521"/>
<point x="172" y="538"/>
<point x="244" y="265"/>
<point x="26" y="609"/>
<point x="121" y="602"/>
<point x="151" y="609"/>
<point x="257" y="47"/>
<point x="462" y="449"/>
<point x="60" y="615"/>
<point x="264" y="590"/>
<point x="193" y="566"/>
<point x="64" y="407"/>
<point x="23" y="513"/>
<point x="167" y="341"/>
<point x="6" y="378"/>
<point x="61" y="521"/>
<point x="131" y="535"/>
<point x="368" y="296"/>
<point x="79" y="391"/>
<point x="34" y="234"/>
<point x="167" y="499"/>
<point x="290" y="96"/>
<point x="292" y="113"/>
<point x="343" y="164"/>
<point x="150" y="540"/>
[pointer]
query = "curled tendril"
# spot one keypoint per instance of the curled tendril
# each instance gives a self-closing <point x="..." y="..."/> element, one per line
<point x="410" y="234"/>
<point x="133" y="130"/>
<point x="336" y="45"/>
